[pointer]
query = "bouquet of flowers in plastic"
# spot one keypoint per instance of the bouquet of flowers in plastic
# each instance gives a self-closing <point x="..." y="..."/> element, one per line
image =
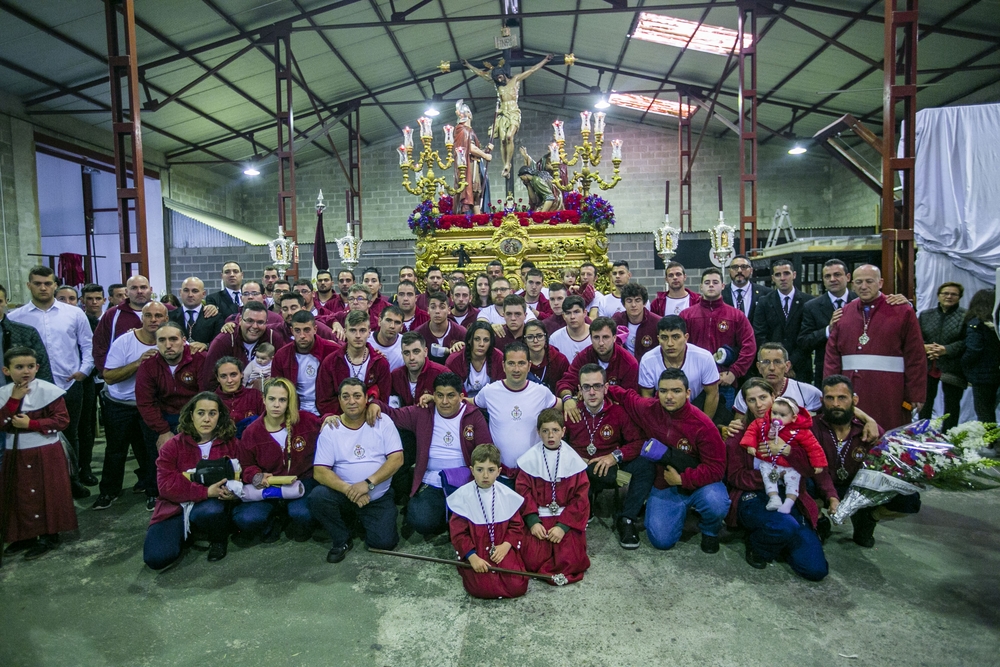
<point x="423" y="219"/>
<point x="596" y="211"/>
<point x="917" y="455"/>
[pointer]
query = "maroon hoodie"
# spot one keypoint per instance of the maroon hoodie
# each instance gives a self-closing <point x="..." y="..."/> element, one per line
<point x="179" y="454"/>
<point x="159" y="391"/>
<point x="335" y="370"/>
<point x="258" y="452"/>
<point x="425" y="382"/>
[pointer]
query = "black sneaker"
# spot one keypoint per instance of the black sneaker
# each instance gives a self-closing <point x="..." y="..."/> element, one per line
<point x="19" y="546"/>
<point x="78" y="490"/>
<point x="628" y="538"/>
<point x="824" y="528"/>
<point x="150" y="503"/>
<point x="217" y="551"/>
<point x="338" y="554"/>
<point x="753" y="560"/>
<point x="42" y="546"/>
<point x="103" y="501"/>
<point x="710" y="544"/>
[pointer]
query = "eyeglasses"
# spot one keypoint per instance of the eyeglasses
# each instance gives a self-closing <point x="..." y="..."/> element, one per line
<point x="531" y="338"/>
<point x="771" y="362"/>
<point x="250" y="294"/>
<point x="591" y="387"/>
<point x="357" y="299"/>
<point x="255" y="323"/>
<point x="740" y="267"/>
<point x="500" y="289"/>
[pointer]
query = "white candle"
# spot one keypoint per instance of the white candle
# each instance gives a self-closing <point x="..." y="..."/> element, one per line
<point x="585" y="121"/>
<point x="449" y="135"/>
<point x="460" y="156"/>
<point x="425" y="127"/>
<point x="402" y="155"/>
<point x="407" y="138"/>
<point x="599" y="122"/>
<point x="616" y="149"/>
<point x="554" y="153"/>
<point x="557" y="131"/>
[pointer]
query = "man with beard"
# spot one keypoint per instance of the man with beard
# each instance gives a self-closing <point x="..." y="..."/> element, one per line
<point x="840" y="432"/>
<point x="462" y="312"/>
<point x="299" y="361"/>
<point x="434" y="283"/>
<point x="677" y="297"/>
<point x="471" y="197"/>
<point x="324" y="290"/>
<point x="387" y="338"/>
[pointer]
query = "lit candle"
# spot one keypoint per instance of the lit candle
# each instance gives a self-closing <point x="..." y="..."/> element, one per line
<point x="449" y="135"/>
<point x="720" y="193"/>
<point x="585" y="122"/>
<point x="425" y="127"/>
<point x="460" y="156"/>
<point x="616" y="149"/>
<point x="666" y="205"/>
<point x="402" y="154"/>
<point x="557" y="131"/>
<point x="407" y="138"/>
<point x="599" y="122"/>
<point x="554" y="153"/>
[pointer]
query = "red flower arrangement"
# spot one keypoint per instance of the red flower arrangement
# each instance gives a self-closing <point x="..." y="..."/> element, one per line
<point x="524" y="218"/>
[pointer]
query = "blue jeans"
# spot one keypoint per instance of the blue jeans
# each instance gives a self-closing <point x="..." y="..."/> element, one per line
<point x="770" y="533"/>
<point x="252" y="518"/>
<point x="667" y="509"/>
<point x="426" y="511"/>
<point x="727" y="395"/>
<point x="165" y="539"/>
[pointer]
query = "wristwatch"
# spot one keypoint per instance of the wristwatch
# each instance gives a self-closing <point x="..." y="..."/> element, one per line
<point x="618" y="455"/>
<point x="371" y="485"/>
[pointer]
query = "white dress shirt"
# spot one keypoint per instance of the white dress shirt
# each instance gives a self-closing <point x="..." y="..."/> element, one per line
<point x="66" y="333"/>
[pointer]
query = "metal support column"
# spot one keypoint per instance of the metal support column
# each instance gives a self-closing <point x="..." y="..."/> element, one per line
<point x="284" y="119"/>
<point x="89" y="266"/>
<point x="354" y="169"/>
<point x="747" y="25"/>
<point x="684" y="152"/>
<point x="127" y="135"/>
<point x="900" y="88"/>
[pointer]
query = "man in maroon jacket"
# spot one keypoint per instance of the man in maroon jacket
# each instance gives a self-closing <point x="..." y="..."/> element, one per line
<point x="292" y="303"/>
<point x="446" y="433"/>
<point x="439" y="330"/>
<point x="415" y="378"/>
<point x="435" y="283"/>
<point x="689" y="434"/>
<point x="608" y="440"/>
<point x="356" y="359"/>
<point x="557" y="294"/>
<point x="621" y="367"/>
<point x="641" y="322"/>
<point x="243" y="341"/>
<point x="299" y="360"/>
<point x="406" y="299"/>
<point x="677" y="297"/>
<point x="462" y="312"/>
<point x="164" y="383"/>
<point x="122" y="318"/>
<point x="714" y="325"/>
<point x="533" y="297"/>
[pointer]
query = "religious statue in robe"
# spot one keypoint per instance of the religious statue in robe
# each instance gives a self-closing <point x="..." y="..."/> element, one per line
<point x="543" y="195"/>
<point x="508" y="116"/>
<point x="476" y="182"/>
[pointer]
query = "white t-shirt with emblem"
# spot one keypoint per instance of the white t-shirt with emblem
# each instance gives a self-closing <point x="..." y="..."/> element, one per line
<point x="562" y="341"/>
<point x="446" y="447"/>
<point x="804" y="395"/>
<point x="493" y="317"/>
<point x="357" y="454"/>
<point x="610" y="305"/>
<point x="675" y="306"/>
<point x="699" y="367"/>
<point x="393" y="353"/>
<point x="305" y="383"/>
<point x="513" y="415"/>
<point x="124" y="351"/>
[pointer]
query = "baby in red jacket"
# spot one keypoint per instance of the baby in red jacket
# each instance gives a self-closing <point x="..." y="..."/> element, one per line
<point x="787" y="421"/>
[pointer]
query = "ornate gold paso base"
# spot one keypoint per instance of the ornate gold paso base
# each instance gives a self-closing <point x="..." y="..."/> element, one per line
<point x="551" y="247"/>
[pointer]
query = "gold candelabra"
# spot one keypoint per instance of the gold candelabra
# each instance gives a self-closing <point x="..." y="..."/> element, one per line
<point x="427" y="186"/>
<point x="588" y="155"/>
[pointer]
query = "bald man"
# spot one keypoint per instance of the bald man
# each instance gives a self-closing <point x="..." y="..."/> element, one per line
<point x="191" y="316"/>
<point x="878" y="346"/>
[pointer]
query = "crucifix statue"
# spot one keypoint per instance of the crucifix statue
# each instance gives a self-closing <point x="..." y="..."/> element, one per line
<point x="508" y="114"/>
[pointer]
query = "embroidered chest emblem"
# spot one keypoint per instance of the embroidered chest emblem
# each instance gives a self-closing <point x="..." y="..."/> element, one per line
<point x="470" y="433"/>
<point x="723" y="326"/>
<point x="187" y="377"/>
<point x="607" y="432"/>
<point x="858" y="454"/>
<point x="684" y="445"/>
<point x="516" y="413"/>
<point x="299" y="443"/>
<point x="647" y="341"/>
<point x="310" y="370"/>
<point x="359" y="452"/>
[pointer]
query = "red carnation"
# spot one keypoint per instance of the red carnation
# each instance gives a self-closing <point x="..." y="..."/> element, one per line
<point x="928" y="471"/>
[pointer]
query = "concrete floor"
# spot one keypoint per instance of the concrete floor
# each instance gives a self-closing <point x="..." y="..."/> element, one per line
<point x="927" y="594"/>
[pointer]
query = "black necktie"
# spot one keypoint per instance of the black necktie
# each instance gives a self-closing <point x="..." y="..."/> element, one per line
<point x="191" y="318"/>
<point x="739" y="300"/>
<point x="840" y="304"/>
<point x="236" y="298"/>
<point x="786" y="306"/>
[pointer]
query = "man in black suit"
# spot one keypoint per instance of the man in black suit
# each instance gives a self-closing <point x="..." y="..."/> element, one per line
<point x="823" y="312"/>
<point x="191" y="316"/>
<point x="778" y="318"/>
<point x="228" y="299"/>
<point x="740" y="292"/>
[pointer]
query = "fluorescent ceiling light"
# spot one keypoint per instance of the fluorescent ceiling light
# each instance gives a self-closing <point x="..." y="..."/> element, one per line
<point x="679" y="32"/>
<point x="657" y="106"/>
<point x="602" y="103"/>
<point x="251" y="171"/>
<point x="431" y="111"/>
<point x="797" y="149"/>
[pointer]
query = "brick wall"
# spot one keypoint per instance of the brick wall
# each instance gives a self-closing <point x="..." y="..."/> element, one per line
<point x="206" y="263"/>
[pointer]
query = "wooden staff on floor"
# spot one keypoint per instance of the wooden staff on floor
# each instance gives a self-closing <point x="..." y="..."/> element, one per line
<point x="557" y="579"/>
